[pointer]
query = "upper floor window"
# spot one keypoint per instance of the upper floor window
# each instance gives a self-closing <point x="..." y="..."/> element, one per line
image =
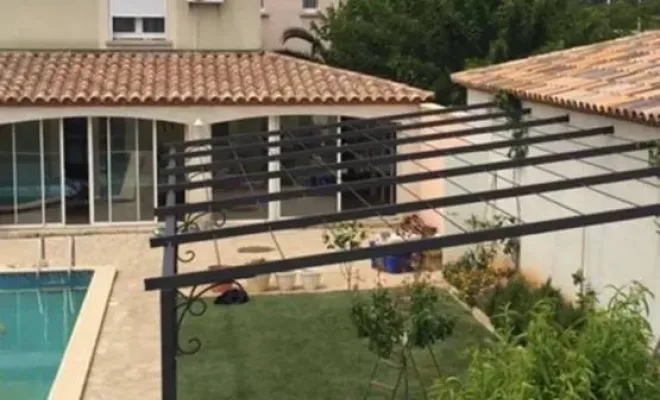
<point x="137" y="19"/>
<point x="310" y="4"/>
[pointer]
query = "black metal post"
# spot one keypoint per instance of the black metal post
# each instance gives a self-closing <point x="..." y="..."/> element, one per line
<point x="168" y="306"/>
<point x="168" y="339"/>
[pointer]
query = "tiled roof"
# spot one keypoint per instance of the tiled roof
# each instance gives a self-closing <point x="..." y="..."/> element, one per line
<point x="619" y="78"/>
<point x="157" y="78"/>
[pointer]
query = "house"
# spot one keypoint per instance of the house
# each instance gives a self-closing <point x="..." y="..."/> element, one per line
<point x="88" y="99"/>
<point x="613" y="83"/>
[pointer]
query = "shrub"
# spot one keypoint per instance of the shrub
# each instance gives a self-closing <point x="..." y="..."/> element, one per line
<point x="608" y="359"/>
<point x="511" y="304"/>
<point x="471" y="283"/>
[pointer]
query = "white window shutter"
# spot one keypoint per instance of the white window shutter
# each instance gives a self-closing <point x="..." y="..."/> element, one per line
<point x="137" y="8"/>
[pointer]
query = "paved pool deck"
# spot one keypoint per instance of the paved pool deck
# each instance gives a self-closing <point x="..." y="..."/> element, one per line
<point x="127" y="360"/>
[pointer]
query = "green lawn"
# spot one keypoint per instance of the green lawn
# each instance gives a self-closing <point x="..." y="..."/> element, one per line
<point x="297" y="347"/>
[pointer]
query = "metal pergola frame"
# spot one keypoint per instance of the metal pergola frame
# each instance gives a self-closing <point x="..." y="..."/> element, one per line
<point x="181" y="227"/>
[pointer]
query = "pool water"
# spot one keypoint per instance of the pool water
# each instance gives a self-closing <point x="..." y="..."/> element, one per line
<point x="37" y="316"/>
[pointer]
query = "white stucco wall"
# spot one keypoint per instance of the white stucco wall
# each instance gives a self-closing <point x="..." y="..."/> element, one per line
<point x="612" y="254"/>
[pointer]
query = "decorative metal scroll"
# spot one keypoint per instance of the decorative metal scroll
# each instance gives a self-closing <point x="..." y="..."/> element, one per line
<point x="194" y="305"/>
<point x="193" y="223"/>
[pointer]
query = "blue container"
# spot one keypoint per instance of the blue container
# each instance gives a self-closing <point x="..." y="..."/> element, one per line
<point x="397" y="264"/>
<point x="376" y="262"/>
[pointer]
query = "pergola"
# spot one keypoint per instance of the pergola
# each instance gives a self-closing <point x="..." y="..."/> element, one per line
<point x="182" y="219"/>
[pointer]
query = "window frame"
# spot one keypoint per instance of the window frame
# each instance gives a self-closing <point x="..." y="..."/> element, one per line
<point x="306" y="5"/>
<point x="139" y="32"/>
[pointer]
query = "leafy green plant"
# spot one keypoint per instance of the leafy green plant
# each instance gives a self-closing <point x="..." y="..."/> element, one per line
<point x="518" y="151"/>
<point x="610" y="358"/>
<point x="511" y="305"/>
<point x="473" y="273"/>
<point x="345" y="236"/>
<point x="379" y="320"/>
<point x="654" y="155"/>
<point x="386" y="316"/>
<point x="471" y="283"/>
<point x="513" y="107"/>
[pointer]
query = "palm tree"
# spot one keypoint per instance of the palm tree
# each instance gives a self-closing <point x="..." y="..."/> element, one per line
<point x="318" y="49"/>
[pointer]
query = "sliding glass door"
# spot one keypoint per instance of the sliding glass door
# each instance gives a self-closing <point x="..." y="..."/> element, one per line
<point x="236" y="142"/>
<point x="31" y="184"/>
<point x="313" y="204"/>
<point x="7" y="175"/>
<point x="123" y="166"/>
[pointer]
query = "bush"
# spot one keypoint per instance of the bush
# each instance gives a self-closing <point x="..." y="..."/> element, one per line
<point x="471" y="283"/>
<point x="511" y="304"/>
<point x="610" y="358"/>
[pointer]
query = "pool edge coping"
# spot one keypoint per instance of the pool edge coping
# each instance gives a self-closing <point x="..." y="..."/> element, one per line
<point x="71" y="377"/>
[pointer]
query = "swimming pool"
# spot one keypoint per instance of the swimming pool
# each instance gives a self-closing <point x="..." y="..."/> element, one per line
<point x="37" y="317"/>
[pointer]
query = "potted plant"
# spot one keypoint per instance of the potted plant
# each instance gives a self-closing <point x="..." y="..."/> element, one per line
<point x="311" y="279"/>
<point x="413" y="227"/>
<point x="258" y="283"/>
<point x="286" y="280"/>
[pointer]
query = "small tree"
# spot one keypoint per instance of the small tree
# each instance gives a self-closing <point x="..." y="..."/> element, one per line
<point x="345" y="236"/>
<point x="394" y="321"/>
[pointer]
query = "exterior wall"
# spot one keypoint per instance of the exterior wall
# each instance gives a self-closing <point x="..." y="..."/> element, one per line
<point x="613" y="254"/>
<point x="234" y="25"/>
<point x="278" y="15"/>
<point x="74" y="24"/>
<point x="50" y="24"/>
<point x="450" y="220"/>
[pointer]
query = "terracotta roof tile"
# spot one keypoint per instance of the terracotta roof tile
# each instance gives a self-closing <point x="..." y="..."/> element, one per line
<point x="617" y="78"/>
<point x="154" y="78"/>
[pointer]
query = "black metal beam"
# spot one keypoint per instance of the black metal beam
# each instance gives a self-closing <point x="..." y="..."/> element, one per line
<point x="223" y="204"/>
<point x="386" y="160"/>
<point x="531" y="228"/>
<point x="218" y="165"/>
<point x="392" y="209"/>
<point x="316" y="140"/>
<point x="340" y="124"/>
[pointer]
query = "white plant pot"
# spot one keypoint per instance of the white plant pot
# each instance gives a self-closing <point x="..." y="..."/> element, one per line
<point x="259" y="283"/>
<point x="286" y="280"/>
<point x="311" y="280"/>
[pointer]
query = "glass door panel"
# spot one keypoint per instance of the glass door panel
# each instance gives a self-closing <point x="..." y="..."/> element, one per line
<point x="232" y="132"/>
<point x="313" y="204"/>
